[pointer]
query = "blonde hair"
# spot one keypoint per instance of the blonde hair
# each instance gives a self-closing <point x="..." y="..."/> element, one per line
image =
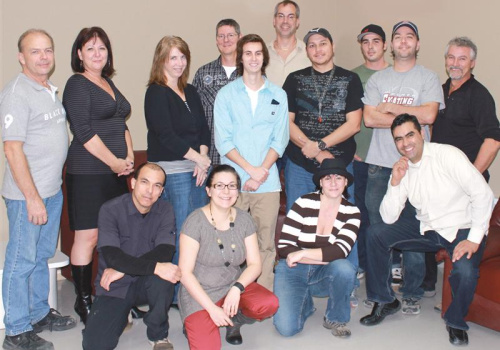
<point x="162" y="54"/>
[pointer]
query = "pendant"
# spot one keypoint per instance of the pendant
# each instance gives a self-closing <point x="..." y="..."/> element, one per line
<point x="320" y="119"/>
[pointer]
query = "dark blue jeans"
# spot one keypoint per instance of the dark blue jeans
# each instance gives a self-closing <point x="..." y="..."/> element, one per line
<point x="404" y="235"/>
<point x="360" y="180"/>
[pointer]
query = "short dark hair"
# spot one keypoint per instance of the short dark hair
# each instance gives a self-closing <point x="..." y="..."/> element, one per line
<point x="251" y="38"/>
<point x="33" y="31"/>
<point x="287" y="2"/>
<point x="228" y="22"/>
<point x="405" y="118"/>
<point x="152" y="166"/>
<point x="85" y="35"/>
<point x="222" y="168"/>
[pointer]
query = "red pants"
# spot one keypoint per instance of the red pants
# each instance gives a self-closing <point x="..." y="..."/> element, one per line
<point x="256" y="302"/>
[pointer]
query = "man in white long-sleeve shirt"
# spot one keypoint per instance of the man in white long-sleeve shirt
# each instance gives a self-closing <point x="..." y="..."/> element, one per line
<point x="453" y="203"/>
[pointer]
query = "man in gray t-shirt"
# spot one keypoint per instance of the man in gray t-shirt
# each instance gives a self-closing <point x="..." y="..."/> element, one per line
<point x="35" y="142"/>
<point x="403" y="88"/>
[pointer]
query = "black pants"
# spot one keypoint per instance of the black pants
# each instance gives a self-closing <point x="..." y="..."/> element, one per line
<point x="109" y="315"/>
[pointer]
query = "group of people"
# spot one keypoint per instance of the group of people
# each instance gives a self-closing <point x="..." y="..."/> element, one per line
<point x="203" y="209"/>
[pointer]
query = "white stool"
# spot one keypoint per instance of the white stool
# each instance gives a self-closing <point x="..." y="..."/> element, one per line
<point x="57" y="261"/>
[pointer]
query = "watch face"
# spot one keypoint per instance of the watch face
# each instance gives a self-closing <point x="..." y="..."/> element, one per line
<point x="321" y="145"/>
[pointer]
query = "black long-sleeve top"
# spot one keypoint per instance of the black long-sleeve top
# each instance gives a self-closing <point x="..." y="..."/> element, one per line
<point x="173" y="128"/>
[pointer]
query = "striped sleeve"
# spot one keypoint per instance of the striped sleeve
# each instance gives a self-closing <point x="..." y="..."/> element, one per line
<point x="345" y="232"/>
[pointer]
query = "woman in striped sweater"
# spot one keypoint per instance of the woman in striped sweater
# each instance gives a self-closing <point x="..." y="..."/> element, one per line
<point x="318" y="234"/>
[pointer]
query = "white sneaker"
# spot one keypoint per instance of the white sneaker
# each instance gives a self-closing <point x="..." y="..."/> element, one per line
<point x="410" y="307"/>
<point x="162" y="344"/>
<point x="397" y="275"/>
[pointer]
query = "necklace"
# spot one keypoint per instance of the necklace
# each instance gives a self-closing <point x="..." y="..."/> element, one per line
<point x="321" y="95"/>
<point x="219" y="241"/>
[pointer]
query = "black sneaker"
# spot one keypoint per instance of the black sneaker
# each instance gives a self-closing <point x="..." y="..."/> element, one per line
<point x="26" y="341"/>
<point x="54" y="321"/>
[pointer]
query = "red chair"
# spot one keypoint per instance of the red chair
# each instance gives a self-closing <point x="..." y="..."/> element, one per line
<point x="485" y="307"/>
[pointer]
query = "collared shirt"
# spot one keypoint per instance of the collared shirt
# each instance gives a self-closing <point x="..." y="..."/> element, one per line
<point x="468" y="119"/>
<point x="32" y="114"/>
<point x="252" y="134"/>
<point x="278" y="70"/>
<point x="121" y="225"/>
<point x="447" y="192"/>
<point x="208" y="80"/>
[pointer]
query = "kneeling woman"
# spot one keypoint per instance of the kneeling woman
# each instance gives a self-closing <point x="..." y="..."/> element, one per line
<point x="215" y="240"/>
<point x="318" y="234"/>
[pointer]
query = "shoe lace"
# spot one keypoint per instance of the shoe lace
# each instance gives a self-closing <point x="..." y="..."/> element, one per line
<point x="33" y="337"/>
<point x="338" y="325"/>
<point x="410" y="302"/>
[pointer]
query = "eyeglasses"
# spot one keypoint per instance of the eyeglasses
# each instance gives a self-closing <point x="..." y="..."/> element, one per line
<point x="230" y="36"/>
<point x="220" y="186"/>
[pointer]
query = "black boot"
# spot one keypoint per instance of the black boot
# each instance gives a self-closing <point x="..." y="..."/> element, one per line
<point x="82" y="277"/>
<point x="233" y="335"/>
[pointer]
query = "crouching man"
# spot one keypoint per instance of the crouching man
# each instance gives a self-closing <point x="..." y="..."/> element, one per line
<point x="136" y="244"/>
<point x="453" y="204"/>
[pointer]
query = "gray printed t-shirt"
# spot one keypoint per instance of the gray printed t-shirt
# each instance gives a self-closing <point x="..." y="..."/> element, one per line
<point x="215" y="278"/>
<point x="34" y="115"/>
<point x="413" y="88"/>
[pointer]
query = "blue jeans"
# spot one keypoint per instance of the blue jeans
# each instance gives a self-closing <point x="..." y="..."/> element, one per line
<point x="405" y="235"/>
<point x="376" y="187"/>
<point x="181" y="191"/>
<point x="298" y="182"/>
<point x="296" y="286"/>
<point x="25" y="283"/>
<point x="360" y="181"/>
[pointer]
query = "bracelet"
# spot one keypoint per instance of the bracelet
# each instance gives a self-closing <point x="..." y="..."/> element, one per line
<point x="239" y="286"/>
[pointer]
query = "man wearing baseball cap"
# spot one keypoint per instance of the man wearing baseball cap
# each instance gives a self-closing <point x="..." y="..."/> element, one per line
<point x="410" y="88"/>
<point x="325" y="109"/>
<point x="373" y="46"/>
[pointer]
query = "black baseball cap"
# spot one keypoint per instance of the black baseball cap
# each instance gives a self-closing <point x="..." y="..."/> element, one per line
<point x="408" y="24"/>
<point x="321" y="31"/>
<point x="372" y="29"/>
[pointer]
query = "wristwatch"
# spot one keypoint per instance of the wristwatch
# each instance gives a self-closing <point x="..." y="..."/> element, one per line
<point x="239" y="286"/>
<point x="321" y="145"/>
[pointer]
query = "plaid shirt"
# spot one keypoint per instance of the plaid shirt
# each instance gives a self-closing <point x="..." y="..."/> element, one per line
<point x="208" y="80"/>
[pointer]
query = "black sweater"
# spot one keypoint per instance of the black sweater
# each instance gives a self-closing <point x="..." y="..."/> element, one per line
<point x="172" y="127"/>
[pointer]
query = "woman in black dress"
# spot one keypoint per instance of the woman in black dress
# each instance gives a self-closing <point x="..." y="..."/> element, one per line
<point x="101" y="152"/>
